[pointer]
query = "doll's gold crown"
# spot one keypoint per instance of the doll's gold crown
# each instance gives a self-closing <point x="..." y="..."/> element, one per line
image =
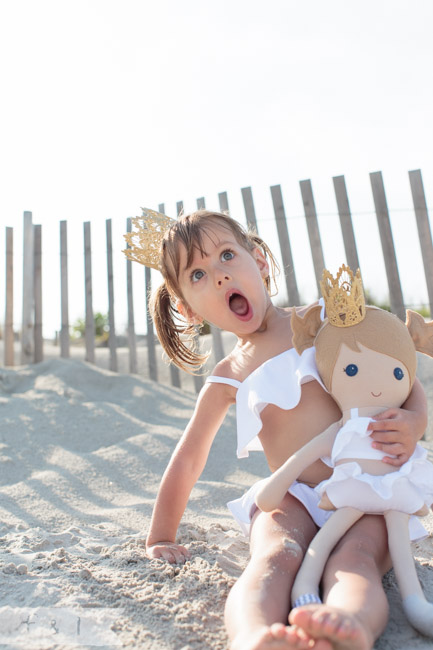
<point x="344" y="297"/>
<point x="144" y="240"/>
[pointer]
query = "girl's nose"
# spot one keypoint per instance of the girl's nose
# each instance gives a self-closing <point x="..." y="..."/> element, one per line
<point x="222" y="279"/>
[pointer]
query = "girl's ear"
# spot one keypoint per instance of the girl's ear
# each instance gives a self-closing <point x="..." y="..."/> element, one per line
<point x="420" y="331"/>
<point x="305" y="329"/>
<point x="262" y="262"/>
<point x="187" y="313"/>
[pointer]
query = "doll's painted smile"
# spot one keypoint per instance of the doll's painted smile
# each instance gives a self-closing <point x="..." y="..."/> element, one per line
<point x="378" y="394"/>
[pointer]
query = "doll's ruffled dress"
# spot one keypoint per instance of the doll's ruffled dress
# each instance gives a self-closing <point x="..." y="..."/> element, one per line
<point x="406" y="489"/>
<point x="278" y="381"/>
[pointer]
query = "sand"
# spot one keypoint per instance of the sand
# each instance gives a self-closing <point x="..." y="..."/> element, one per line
<point x="82" y="451"/>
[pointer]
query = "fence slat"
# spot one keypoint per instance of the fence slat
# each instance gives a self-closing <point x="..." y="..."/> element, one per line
<point x="9" y="356"/>
<point x="286" y="250"/>
<point x="39" y="344"/>
<point x="27" y="331"/>
<point x="346" y="222"/>
<point x="223" y="202"/>
<point x="132" y="341"/>
<point x="150" y="339"/>
<point x="424" y="232"/>
<point x="201" y="203"/>
<point x="383" y="222"/>
<point x="64" y="295"/>
<point x="313" y="230"/>
<point x="111" y="324"/>
<point x="250" y="213"/>
<point x="90" y="320"/>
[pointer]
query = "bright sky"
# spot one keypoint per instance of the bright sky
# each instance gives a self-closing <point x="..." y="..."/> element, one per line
<point x="109" y="105"/>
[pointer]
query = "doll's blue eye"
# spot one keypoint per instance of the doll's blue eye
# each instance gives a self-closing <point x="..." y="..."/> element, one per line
<point x="398" y="373"/>
<point x="351" y="369"/>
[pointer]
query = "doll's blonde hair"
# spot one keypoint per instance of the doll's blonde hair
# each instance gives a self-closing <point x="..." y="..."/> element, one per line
<point x="380" y="331"/>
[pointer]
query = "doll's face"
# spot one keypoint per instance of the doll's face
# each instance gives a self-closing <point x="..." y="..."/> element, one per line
<point x="368" y="378"/>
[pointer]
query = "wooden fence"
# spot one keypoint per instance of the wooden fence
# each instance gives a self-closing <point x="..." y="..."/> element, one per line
<point x="31" y="330"/>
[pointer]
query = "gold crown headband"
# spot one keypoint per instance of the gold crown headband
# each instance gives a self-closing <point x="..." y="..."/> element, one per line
<point x="344" y="297"/>
<point x="144" y="243"/>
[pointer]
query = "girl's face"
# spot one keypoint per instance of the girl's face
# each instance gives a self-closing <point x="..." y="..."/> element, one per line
<point x="225" y="285"/>
<point x="368" y="378"/>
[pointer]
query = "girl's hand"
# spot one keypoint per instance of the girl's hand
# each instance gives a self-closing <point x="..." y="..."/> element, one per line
<point x="168" y="551"/>
<point x="396" y="432"/>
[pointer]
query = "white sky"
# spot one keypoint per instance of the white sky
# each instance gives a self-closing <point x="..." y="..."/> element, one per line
<point x="109" y="105"/>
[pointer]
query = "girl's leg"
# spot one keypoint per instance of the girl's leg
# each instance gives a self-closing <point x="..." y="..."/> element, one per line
<point x="258" y="605"/>
<point x="355" y="612"/>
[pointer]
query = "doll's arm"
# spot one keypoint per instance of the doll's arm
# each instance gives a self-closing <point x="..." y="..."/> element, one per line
<point x="271" y="493"/>
<point x="396" y="431"/>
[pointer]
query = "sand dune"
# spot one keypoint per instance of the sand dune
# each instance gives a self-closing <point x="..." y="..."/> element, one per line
<point x="82" y="451"/>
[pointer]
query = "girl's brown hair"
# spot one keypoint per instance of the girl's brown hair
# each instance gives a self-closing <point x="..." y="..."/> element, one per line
<point x="177" y="336"/>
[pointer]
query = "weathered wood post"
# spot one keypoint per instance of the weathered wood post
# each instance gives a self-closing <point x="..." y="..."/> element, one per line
<point x="9" y="356"/>
<point x="27" y="330"/>
<point x="346" y="222"/>
<point x="286" y="250"/>
<point x="90" y="320"/>
<point x="111" y="321"/>
<point x="37" y="278"/>
<point x="313" y="230"/>
<point x="132" y="342"/>
<point x="64" y="297"/>
<point x="384" y="224"/>
<point x="424" y="232"/>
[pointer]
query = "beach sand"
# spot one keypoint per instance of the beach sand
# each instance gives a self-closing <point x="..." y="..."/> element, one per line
<point x="82" y="451"/>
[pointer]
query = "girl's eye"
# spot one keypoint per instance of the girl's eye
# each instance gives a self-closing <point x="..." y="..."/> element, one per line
<point x="196" y="275"/>
<point x="351" y="369"/>
<point x="227" y="255"/>
<point x="398" y="373"/>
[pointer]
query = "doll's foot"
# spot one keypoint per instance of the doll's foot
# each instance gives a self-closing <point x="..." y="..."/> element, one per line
<point x="278" y="637"/>
<point x="344" y="631"/>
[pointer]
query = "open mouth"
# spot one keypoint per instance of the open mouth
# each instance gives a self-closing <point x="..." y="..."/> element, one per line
<point x="378" y="395"/>
<point x="239" y="305"/>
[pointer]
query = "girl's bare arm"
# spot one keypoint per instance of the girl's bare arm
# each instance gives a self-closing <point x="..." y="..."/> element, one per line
<point x="396" y="431"/>
<point x="184" y="469"/>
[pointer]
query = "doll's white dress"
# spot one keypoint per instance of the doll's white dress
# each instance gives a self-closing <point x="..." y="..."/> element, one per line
<point x="278" y="381"/>
<point x="406" y="489"/>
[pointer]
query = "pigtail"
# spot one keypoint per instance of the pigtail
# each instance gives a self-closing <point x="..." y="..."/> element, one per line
<point x="172" y="330"/>
<point x="420" y="331"/>
<point x="305" y="329"/>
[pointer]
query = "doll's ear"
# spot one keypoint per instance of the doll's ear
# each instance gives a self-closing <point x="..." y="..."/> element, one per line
<point x="420" y="331"/>
<point x="187" y="313"/>
<point x="305" y="329"/>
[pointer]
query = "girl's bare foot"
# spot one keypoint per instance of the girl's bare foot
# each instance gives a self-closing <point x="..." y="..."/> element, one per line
<point x="278" y="637"/>
<point x="344" y="631"/>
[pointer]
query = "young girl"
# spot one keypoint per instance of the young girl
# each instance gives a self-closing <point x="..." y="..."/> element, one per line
<point x="214" y="271"/>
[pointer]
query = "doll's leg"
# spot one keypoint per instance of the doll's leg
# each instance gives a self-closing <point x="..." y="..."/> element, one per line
<point x="258" y="605"/>
<point x="306" y="587"/>
<point x="418" y="611"/>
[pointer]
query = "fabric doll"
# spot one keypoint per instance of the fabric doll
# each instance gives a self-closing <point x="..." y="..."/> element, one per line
<point x="366" y="358"/>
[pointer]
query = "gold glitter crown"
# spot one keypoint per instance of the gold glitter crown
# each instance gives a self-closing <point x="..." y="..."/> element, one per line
<point x="344" y="297"/>
<point x="144" y="243"/>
